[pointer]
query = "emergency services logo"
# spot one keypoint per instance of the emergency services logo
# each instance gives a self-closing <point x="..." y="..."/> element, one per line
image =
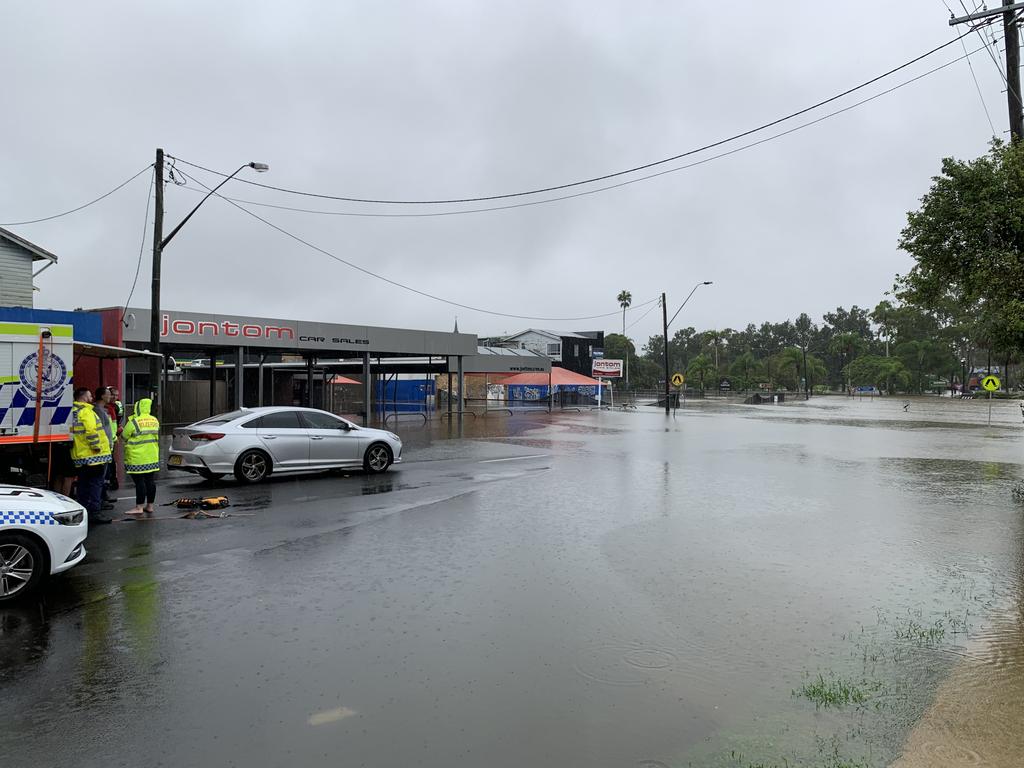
<point x="55" y="374"/>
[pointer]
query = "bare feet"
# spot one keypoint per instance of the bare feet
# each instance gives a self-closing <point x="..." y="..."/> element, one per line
<point x="134" y="511"/>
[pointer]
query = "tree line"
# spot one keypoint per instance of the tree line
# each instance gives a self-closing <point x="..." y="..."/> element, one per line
<point x="959" y="309"/>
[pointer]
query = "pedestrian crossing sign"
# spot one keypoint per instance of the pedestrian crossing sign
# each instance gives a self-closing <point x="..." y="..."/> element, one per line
<point x="678" y="379"/>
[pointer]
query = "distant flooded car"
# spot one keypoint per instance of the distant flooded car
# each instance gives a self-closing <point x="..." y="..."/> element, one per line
<point x="253" y="443"/>
<point x="41" y="533"/>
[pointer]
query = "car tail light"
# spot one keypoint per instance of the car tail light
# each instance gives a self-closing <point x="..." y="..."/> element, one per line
<point x="201" y="437"/>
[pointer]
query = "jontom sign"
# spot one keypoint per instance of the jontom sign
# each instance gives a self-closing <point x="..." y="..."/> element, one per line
<point x="606" y="368"/>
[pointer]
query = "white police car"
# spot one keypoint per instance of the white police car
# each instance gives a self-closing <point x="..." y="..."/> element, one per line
<point x="41" y="533"/>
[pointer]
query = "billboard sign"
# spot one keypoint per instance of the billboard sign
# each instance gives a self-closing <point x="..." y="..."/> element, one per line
<point x="606" y="368"/>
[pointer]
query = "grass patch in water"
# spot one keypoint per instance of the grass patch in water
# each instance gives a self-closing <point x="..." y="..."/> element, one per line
<point x="836" y="692"/>
<point x="915" y="632"/>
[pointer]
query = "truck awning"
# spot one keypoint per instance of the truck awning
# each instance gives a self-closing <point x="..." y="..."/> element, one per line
<point x="108" y="352"/>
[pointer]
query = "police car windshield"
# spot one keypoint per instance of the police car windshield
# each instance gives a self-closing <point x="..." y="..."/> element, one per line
<point x="223" y="418"/>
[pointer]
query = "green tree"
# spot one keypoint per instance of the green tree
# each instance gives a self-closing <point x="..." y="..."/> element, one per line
<point x="714" y="339"/>
<point x="744" y="368"/>
<point x="846" y="345"/>
<point x="967" y="241"/>
<point x="876" y="371"/>
<point x="701" y="367"/>
<point x="789" y="363"/>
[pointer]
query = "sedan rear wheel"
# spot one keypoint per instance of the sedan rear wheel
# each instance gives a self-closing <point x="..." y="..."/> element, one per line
<point x="377" y="458"/>
<point x="22" y="566"/>
<point x="252" y="467"/>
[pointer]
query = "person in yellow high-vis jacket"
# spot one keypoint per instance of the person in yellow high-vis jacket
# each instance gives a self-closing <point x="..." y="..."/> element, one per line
<point x="141" y="438"/>
<point x="90" y="453"/>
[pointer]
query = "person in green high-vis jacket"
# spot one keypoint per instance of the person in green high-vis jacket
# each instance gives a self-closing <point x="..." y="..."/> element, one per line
<point x="141" y="438"/>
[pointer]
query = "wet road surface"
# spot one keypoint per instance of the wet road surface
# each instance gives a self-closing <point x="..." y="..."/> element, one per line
<point x="593" y="589"/>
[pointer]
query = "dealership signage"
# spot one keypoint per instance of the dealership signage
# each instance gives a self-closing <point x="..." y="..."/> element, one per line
<point x="210" y="330"/>
<point x="606" y="368"/>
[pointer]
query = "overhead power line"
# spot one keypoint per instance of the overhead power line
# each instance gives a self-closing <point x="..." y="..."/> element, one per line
<point x="142" y="246"/>
<point x="105" y="195"/>
<point x="603" y="177"/>
<point x="727" y="153"/>
<point x="395" y="283"/>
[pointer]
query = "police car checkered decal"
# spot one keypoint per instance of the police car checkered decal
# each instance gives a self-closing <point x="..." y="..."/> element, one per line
<point x="27" y="518"/>
<point x="13" y="399"/>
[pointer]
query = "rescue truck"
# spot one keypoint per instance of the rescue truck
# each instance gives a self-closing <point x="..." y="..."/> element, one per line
<point x="36" y="392"/>
<point x="37" y="382"/>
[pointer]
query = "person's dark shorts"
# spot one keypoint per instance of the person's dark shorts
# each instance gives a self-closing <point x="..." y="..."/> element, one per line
<point x="63" y="466"/>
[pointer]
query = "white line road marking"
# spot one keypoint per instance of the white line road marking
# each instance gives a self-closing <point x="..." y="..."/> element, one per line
<point x="515" y="458"/>
<point x="331" y="716"/>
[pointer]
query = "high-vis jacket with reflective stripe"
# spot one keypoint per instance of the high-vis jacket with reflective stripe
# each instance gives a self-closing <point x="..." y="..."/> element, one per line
<point x="90" y="445"/>
<point x="141" y="440"/>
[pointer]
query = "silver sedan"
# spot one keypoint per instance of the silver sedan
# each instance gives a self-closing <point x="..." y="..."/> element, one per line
<point x="253" y="443"/>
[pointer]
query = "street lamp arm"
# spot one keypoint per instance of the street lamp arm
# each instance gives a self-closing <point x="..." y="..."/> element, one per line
<point x="166" y="240"/>
<point x="698" y="285"/>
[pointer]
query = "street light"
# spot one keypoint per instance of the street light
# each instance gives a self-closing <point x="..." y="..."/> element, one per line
<point x="667" y="323"/>
<point x="159" y="243"/>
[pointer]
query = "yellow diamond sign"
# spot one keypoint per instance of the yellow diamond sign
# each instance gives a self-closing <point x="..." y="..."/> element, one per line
<point x="991" y="383"/>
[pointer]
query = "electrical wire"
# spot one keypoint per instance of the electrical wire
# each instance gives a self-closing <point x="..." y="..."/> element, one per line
<point x="606" y="176"/>
<point x="142" y="247"/>
<point x="395" y="283"/>
<point x="81" y="207"/>
<point x="645" y="314"/>
<point x="974" y="76"/>
<point x="981" y="36"/>
<point x="727" y="153"/>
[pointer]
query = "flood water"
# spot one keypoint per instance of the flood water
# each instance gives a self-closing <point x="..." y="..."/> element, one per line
<point x="836" y="583"/>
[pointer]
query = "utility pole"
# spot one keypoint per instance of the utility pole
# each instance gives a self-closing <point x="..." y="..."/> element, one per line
<point x="664" y="323"/>
<point x="1008" y="9"/>
<point x="1013" y="74"/>
<point x="156" y="363"/>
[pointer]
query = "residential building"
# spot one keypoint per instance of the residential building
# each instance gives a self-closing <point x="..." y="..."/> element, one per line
<point x="17" y="260"/>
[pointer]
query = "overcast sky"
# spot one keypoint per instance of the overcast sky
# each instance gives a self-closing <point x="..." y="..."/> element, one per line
<point x="455" y="99"/>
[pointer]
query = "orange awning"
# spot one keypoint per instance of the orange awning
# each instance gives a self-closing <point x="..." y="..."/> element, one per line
<point x="339" y="379"/>
<point x="559" y="376"/>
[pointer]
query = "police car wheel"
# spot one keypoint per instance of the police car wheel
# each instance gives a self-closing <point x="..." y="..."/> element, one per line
<point x="22" y="566"/>
<point x="252" y="467"/>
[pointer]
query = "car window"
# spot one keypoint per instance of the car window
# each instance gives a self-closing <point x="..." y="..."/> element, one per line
<point x="314" y="420"/>
<point x="281" y="420"/>
<point x="253" y="423"/>
<point x="222" y="418"/>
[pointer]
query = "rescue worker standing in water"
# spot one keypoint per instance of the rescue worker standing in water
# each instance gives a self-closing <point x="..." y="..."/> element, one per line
<point x="141" y="438"/>
<point x="90" y="453"/>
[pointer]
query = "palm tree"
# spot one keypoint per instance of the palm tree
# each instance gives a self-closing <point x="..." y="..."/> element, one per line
<point x="625" y="298"/>
<point x="700" y="366"/>
<point x="742" y="366"/>
<point x="791" y="357"/>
